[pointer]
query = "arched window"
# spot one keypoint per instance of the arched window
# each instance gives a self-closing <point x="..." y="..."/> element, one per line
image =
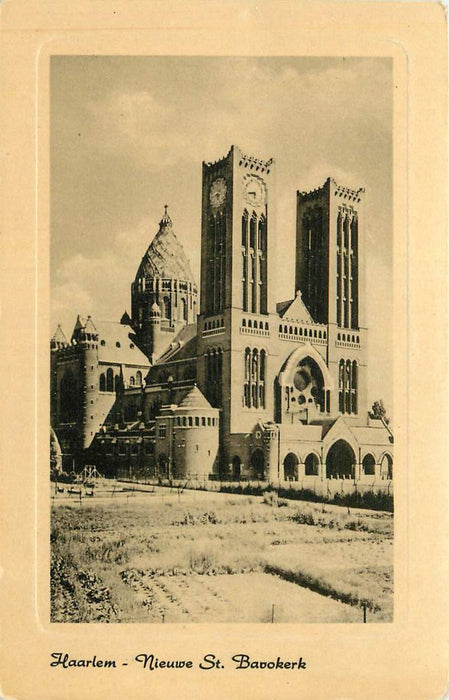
<point x="102" y="382"/>
<point x="262" y="365"/>
<point x="255" y="364"/>
<point x="252" y="231"/>
<point x="339" y="226"/>
<point x="247" y="363"/>
<point x="132" y="381"/>
<point x="166" y="307"/>
<point x="341" y="374"/>
<point x="109" y="380"/>
<point x="139" y="377"/>
<point x="262" y="242"/>
<point x="244" y="228"/>
<point x="354" y="375"/>
<point x="184" y="309"/>
<point x="254" y="378"/>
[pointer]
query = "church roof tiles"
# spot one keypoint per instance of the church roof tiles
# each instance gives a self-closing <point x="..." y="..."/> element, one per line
<point x="195" y="399"/>
<point x="165" y="256"/>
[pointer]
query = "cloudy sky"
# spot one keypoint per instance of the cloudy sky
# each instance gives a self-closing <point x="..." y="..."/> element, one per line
<point x="128" y="135"/>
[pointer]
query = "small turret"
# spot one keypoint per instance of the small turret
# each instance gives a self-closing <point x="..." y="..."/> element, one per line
<point x="58" y="340"/>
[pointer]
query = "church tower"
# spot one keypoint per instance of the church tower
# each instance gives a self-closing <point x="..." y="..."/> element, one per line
<point x="237" y="254"/>
<point x="163" y="294"/>
<point x="330" y="273"/>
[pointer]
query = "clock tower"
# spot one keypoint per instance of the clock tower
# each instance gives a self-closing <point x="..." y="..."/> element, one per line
<point x="237" y="252"/>
<point x="235" y="244"/>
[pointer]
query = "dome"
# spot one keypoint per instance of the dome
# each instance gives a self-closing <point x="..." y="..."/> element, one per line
<point x="165" y="256"/>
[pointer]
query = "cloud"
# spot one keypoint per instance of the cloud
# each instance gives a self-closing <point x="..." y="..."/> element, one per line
<point x="131" y="133"/>
<point x="99" y="285"/>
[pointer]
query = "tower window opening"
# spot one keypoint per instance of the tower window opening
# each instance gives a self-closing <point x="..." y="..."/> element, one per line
<point x="254" y="378"/>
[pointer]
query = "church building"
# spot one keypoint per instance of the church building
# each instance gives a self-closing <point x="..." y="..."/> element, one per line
<point x="231" y="383"/>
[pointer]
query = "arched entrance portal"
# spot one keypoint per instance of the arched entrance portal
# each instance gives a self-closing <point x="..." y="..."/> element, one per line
<point x="257" y="464"/>
<point x="236" y="467"/>
<point x="340" y="461"/>
<point x="291" y="467"/>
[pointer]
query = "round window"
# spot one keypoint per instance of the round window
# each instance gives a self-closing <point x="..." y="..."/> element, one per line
<point x="301" y="379"/>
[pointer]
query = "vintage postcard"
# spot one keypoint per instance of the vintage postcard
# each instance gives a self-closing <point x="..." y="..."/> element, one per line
<point x="224" y="292"/>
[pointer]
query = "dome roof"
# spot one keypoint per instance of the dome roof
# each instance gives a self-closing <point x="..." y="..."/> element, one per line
<point x="165" y="256"/>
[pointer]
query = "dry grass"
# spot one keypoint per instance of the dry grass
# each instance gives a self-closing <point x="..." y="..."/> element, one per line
<point x="110" y="560"/>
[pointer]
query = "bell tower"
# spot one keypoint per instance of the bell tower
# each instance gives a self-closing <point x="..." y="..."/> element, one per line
<point x="235" y="241"/>
<point x="237" y="254"/>
<point x="330" y="272"/>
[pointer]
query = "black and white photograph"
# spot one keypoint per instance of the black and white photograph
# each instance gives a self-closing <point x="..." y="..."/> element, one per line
<point x="221" y="353"/>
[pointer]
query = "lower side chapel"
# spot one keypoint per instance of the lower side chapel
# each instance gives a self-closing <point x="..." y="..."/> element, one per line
<point x="232" y="383"/>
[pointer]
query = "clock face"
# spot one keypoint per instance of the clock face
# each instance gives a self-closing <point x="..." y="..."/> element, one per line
<point x="254" y="191"/>
<point x="217" y="194"/>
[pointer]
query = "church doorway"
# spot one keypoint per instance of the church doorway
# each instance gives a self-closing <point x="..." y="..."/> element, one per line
<point x="257" y="464"/>
<point x="236" y="467"/>
<point x="340" y="461"/>
<point x="291" y="467"/>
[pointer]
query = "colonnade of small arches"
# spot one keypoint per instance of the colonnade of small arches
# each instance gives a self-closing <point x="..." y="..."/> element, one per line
<point x="196" y="421"/>
<point x="216" y="323"/>
<point x="261" y="325"/>
<point x="347" y="338"/>
<point x="301" y="331"/>
<point x="312" y="464"/>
